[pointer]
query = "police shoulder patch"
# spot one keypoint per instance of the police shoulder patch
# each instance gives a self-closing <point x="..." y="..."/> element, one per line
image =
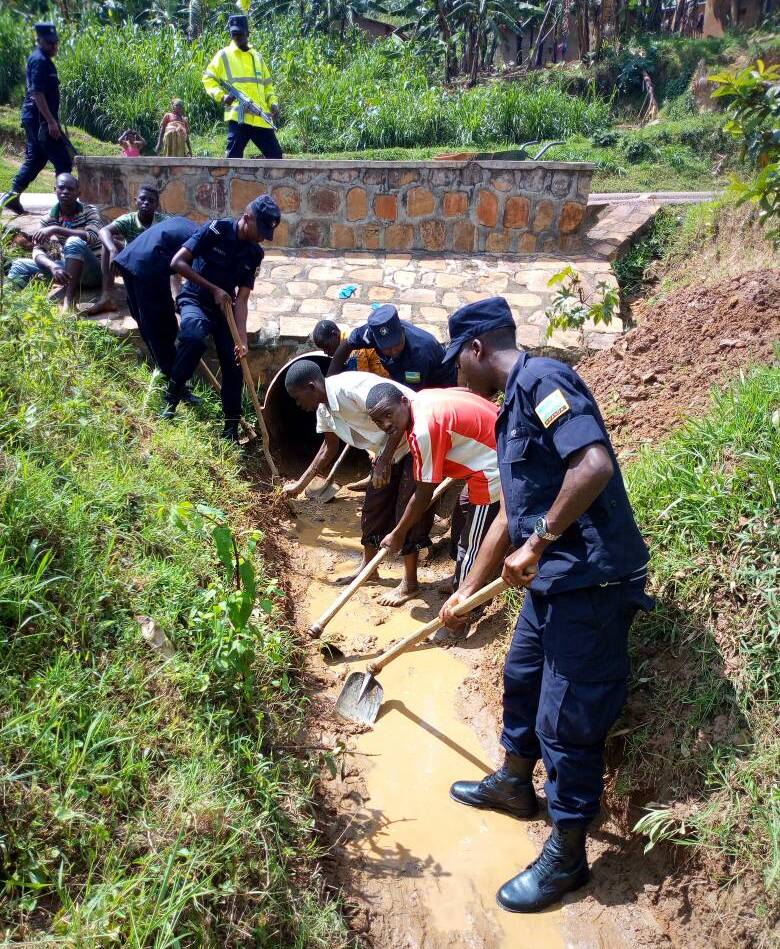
<point x="552" y="407"/>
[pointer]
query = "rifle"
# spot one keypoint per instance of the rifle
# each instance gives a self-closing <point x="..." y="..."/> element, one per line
<point x="245" y="104"/>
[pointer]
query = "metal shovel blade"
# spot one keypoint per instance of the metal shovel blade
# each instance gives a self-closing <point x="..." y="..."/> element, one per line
<point x="325" y="493"/>
<point x="360" y="698"/>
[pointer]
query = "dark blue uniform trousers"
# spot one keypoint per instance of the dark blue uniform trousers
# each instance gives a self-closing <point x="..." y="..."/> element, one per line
<point x="197" y="324"/>
<point x="151" y="306"/>
<point x="564" y="686"/>
<point x="240" y="135"/>
<point x="37" y="153"/>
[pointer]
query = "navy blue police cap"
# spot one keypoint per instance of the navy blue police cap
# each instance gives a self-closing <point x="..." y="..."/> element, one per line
<point x="46" y="31"/>
<point x="267" y="215"/>
<point x="474" y="319"/>
<point x="385" y="326"/>
<point x="238" y="23"/>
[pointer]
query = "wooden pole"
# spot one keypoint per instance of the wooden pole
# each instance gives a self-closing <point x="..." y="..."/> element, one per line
<point x="250" y="384"/>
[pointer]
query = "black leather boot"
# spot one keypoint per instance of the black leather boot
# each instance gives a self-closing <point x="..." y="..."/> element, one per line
<point x="508" y="790"/>
<point x="561" y="867"/>
<point x="174" y="393"/>
<point x="230" y="430"/>
<point x="189" y="397"/>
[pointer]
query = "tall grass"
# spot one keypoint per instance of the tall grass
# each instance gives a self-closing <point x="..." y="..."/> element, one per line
<point x="15" y="43"/>
<point x="335" y="95"/>
<point x="143" y="802"/>
<point x="708" y="665"/>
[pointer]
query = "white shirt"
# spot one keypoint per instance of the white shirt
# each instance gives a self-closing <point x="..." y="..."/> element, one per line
<point x="347" y="416"/>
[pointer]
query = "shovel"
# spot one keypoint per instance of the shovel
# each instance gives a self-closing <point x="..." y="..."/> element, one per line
<point x="250" y="384"/>
<point x="362" y="694"/>
<point x="328" y="490"/>
<point x="316" y="629"/>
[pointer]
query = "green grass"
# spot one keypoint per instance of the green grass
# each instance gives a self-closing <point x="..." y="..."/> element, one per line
<point x="143" y="801"/>
<point x="706" y="746"/>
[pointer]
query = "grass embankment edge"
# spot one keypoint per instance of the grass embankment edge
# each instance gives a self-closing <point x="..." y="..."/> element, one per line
<point x="144" y="800"/>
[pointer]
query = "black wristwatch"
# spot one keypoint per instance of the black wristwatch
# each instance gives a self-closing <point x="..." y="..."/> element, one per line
<point x="540" y="529"/>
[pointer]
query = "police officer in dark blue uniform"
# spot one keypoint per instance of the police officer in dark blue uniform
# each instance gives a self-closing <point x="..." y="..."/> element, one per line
<point x="575" y="547"/>
<point x="411" y="356"/>
<point x="220" y="263"/>
<point x="145" y="267"/>
<point x="44" y="140"/>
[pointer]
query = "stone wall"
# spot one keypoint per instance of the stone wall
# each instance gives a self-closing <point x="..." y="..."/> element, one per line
<point x="493" y="207"/>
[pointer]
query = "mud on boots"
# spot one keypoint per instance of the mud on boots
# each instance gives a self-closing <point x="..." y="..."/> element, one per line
<point x="567" y="535"/>
<point x="509" y="790"/>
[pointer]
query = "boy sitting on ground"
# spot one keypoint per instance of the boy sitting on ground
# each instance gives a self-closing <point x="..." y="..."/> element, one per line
<point x="65" y="246"/>
<point x="126" y="227"/>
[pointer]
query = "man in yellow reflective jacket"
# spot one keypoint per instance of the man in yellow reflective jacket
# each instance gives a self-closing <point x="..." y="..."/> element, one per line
<point x="242" y="67"/>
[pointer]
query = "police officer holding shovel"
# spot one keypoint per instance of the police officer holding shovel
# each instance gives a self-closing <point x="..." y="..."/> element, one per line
<point x="44" y="139"/>
<point x="565" y="533"/>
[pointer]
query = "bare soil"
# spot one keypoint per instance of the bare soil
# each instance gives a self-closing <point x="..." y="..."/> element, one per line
<point x="663" y="370"/>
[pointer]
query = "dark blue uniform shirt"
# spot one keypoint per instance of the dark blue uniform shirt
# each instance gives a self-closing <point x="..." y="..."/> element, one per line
<point x="420" y="364"/>
<point x="150" y="254"/>
<point x="223" y="259"/>
<point x="41" y="76"/>
<point x="548" y="415"/>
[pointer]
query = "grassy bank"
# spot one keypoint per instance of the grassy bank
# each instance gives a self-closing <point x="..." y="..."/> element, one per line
<point x="703" y="744"/>
<point x="144" y="803"/>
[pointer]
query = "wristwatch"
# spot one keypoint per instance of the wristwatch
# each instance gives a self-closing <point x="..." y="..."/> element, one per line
<point x="540" y="529"/>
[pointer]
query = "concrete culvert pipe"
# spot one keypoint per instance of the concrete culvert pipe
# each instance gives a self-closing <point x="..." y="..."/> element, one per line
<point x="292" y="432"/>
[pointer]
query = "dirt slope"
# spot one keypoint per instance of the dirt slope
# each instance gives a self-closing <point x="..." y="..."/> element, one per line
<point x="696" y="338"/>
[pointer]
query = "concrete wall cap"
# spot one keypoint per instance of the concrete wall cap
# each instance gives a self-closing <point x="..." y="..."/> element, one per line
<point x="145" y="162"/>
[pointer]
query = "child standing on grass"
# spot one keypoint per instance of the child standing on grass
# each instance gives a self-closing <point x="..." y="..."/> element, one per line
<point x="131" y="143"/>
<point x="173" y="139"/>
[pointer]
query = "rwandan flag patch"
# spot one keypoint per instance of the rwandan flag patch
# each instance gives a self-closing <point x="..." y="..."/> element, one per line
<point x="552" y="408"/>
<point x="412" y="377"/>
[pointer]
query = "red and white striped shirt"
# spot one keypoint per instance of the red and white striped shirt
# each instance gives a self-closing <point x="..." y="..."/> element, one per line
<point x="453" y="436"/>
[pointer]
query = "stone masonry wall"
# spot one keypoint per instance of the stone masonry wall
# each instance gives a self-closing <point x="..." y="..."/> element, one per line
<point x="493" y="207"/>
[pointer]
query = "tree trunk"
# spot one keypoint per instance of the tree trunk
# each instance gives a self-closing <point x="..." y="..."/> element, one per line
<point x="533" y="56"/>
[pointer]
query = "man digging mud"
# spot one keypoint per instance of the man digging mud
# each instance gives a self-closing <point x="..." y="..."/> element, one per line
<point x="450" y="433"/>
<point x="342" y="415"/>
<point x="566" y="518"/>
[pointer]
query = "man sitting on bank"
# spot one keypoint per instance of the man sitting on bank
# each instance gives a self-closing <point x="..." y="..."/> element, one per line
<point x="340" y="404"/>
<point x="451" y="434"/>
<point x="410" y="355"/>
<point x="66" y="246"/>
<point x="126" y="228"/>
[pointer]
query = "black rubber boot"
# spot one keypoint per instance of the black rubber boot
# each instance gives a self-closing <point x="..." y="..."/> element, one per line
<point x="561" y="867"/>
<point x="508" y="790"/>
<point x="230" y="430"/>
<point x="189" y="397"/>
<point x="174" y="393"/>
<point x="9" y="201"/>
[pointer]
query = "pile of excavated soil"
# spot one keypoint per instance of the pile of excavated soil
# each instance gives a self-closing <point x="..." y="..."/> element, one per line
<point x="663" y="370"/>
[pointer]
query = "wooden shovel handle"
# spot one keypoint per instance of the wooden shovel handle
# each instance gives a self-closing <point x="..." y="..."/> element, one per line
<point x="214" y="383"/>
<point x="336" y="466"/>
<point x="250" y="384"/>
<point x="477" y="599"/>
<point x="369" y="568"/>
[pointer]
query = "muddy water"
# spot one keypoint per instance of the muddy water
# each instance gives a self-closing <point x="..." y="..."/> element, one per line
<point x="436" y="864"/>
